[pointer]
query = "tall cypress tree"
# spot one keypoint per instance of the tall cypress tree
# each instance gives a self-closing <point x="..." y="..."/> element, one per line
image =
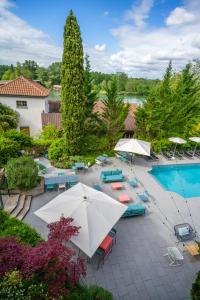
<point x="72" y="81"/>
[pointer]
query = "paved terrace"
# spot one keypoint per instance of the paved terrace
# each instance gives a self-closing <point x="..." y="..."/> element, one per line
<point x="136" y="268"/>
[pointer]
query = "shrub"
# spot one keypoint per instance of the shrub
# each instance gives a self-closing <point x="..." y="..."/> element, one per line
<point x="50" y="262"/>
<point x="49" y="134"/>
<point x="22" y="173"/>
<point x="13" y="287"/>
<point x="94" y="144"/>
<point x="92" y="292"/>
<point x="8" y="149"/>
<point x="22" y="139"/>
<point x="195" y="291"/>
<point x="13" y="227"/>
<point x="163" y="144"/>
<point x="57" y="150"/>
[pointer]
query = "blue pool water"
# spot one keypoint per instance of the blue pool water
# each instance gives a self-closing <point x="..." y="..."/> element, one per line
<point x="181" y="179"/>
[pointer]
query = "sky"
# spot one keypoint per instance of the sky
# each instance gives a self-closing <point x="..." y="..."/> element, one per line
<point x="138" y="37"/>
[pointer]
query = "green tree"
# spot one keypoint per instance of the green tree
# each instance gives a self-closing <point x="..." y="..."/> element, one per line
<point x="8" y="149"/>
<point x="72" y="80"/>
<point x="121" y="81"/>
<point x="115" y="113"/>
<point x="8" y="117"/>
<point x="90" y="92"/>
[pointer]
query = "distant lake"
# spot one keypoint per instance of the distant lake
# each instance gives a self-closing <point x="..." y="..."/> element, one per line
<point x="134" y="99"/>
<point x="128" y="98"/>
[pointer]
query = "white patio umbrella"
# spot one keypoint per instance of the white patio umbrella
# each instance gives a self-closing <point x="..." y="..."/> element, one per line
<point x="133" y="146"/>
<point x="195" y="139"/>
<point x="94" y="211"/>
<point x="176" y="140"/>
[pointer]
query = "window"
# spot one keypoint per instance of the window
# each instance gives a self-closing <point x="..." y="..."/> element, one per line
<point x="21" y="104"/>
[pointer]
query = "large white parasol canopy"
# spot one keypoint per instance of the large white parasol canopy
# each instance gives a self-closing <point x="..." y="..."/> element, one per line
<point x="133" y="146"/>
<point x="93" y="210"/>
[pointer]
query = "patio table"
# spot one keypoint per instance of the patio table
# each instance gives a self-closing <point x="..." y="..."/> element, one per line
<point x="60" y="179"/>
<point x="124" y="198"/>
<point x="116" y="185"/>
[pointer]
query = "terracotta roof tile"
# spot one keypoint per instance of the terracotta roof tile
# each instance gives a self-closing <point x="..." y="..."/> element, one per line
<point x="22" y="86"/>
<point x="55" y="118"/>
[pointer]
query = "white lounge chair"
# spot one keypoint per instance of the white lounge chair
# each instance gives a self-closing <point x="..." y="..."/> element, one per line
<point x="175" y="256"/>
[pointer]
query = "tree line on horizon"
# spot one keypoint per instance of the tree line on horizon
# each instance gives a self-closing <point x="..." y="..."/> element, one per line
<point x="51" y="75"/>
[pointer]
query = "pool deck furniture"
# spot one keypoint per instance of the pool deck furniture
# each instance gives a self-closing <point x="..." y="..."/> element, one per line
<point x="61" y="174"/>
<point x="50" y="186"/>
<point x="134" y="210"/>
<point x="193" y="249"/>
<point x="124" y="198"/>
<point x="70" y="180"/>
<point x="117" y="186"/>
<point x="145" y="196"/>
<point x="184" y="232"/>
<point x="102" y="158"/>
<point x="79" y="166"/>
<point x="62" y="186"/>
<point x="112" y="176"/>
<point x="175" y="256"/>
<point x="105" y="249"/>
<point x="133" y="182"/>
<point x="97" y="187"/>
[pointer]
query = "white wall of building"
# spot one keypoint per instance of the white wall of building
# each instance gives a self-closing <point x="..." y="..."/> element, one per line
<point x="30" y="116"/>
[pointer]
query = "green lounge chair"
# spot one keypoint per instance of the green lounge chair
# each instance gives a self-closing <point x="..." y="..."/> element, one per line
<point x="134" y="210"/>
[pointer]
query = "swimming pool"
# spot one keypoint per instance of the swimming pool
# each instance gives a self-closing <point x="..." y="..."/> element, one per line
<point x="181" y="179"/>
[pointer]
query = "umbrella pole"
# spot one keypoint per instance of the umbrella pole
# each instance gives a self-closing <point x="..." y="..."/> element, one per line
<point x="174" y="150"/>
<point x="195" y="148"/>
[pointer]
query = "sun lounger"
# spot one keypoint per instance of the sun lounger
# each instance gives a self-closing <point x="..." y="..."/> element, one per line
<point x="134" y="210"/>
<point x="178" y="155"/>
<point x="175" y="256"/>
<point x="184" y="232"/>
<point x="166" y="154"/>
<point x="188" y="154"/>
<point x="50" y="187"/>
<point x="153" y="156"/>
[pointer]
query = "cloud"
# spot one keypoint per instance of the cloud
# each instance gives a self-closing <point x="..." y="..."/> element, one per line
<point x="100" y="48"/>
<point x="106" y="13"/>
<point x="20" y="41"/>
<point x="139" y="14"/>
<point x="180" y="16"/>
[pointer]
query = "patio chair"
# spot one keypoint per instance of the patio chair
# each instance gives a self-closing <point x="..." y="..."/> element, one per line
<point x="113" y="234"/>
<point x="61" y="186"/>
<point x="174" y="255"/>
<point x="50" y="187"/>
<point x="144" y="196"/>
<point x="184" y="232"/>
<point x="97" y="187"/>
<point x="133" y="182"/>
<point x="99" y="163"/>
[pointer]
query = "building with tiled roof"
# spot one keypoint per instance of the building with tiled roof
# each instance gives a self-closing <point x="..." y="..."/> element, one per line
<point x="55" y="117"/>
<point x="22" y="86"/>
<point x="29" y="99"/>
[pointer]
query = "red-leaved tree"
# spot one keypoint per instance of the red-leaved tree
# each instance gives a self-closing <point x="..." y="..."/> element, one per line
<point x="52" y="262"/>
